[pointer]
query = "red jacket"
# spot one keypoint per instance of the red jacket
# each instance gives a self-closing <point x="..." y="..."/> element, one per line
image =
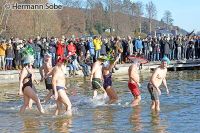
<point x="72" y="49"/>
<point x="60" y="49"/>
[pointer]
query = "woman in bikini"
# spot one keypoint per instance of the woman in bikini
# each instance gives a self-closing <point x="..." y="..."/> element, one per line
<point x="26" y="85"/>
<point x="58" y="84"/>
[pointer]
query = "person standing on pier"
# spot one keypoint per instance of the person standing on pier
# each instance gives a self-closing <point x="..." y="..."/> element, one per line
<point x="157" y="78"/>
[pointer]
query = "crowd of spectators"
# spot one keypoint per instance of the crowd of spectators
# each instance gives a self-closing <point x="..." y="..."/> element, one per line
<point x="86" y="50"/>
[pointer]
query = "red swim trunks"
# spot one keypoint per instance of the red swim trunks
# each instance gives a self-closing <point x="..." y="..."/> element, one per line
<point x="133" y="87"/>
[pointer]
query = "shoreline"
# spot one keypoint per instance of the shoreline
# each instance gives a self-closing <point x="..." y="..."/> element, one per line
<point x="12" y="76"/>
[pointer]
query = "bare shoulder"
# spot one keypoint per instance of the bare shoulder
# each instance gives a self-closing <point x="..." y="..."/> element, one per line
<point x="131" y="66"/>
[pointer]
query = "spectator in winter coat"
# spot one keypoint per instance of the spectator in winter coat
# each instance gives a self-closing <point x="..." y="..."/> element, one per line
<point x="60" y="49"/>
<point x="52" y="50"/>
<point x="9" y="56"/>
<point x="2" y="55"/>
<point x="91" y="48"/>
<point x="71" y="48"/>
<point x="138" y="45"/>
<point x="97" y="44"/>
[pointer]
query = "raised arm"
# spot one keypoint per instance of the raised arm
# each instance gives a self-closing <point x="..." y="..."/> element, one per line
<point x="114" y="63"/>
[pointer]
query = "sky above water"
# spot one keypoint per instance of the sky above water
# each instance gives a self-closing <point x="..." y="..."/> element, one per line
<point x="184" y="12"/>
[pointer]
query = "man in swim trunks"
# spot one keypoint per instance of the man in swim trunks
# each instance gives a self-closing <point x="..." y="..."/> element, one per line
<point x="96" y="76"/>
<point x="58" y="84"/>
<point x="107" y="77"/>
<point x="133" y="83"/>
<point x="45" y="72"/>
<point x="157" y="78"/>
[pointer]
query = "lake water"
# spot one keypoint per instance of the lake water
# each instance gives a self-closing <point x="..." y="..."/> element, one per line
<point x="180" y="111"/>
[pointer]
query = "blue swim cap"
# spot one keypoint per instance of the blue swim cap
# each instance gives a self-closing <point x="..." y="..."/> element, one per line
<point x="166" y="59"/>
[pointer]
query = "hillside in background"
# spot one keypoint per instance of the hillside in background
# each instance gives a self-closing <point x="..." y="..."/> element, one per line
<point x="75" y="21"/>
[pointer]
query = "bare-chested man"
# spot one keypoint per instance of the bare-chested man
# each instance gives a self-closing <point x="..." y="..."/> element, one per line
<point x="96" y="76"/>
<point x="107" y="77"/>
<point x="157" y="78"/>
<point x="133" y="83"/>
<point x="58" y="83"/>
<point x="45" y="72"/>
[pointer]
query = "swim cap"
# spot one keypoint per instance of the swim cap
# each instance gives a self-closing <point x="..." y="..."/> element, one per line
<point x="62" y="60"/>
<point x="166" y="59"/>
<point x="28" y="59"/>
<point x="106" y="63"/>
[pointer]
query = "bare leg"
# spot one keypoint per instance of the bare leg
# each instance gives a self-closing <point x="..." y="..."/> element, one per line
<point x="26" y="102"/>
<point x="157" y="105"/>
<point x="94" y="93"/>
<point x="31" y="93"/>
<point x="59" y="107"/>
<point x="136" y="101"/>
<point x="153" y="103"/>
<point x="66" y="101"/>
<point x="105" y="94"/>
<point x="46" y="99"/>
<point x="112" y="95"/>
<point x="30" y="104"/>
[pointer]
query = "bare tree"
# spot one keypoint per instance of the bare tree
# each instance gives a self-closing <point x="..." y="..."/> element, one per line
<point x="151" y="13"/>
<point x="4" y="16"/>
<point x="167" y="18"/>
<point x="137" y="11"/>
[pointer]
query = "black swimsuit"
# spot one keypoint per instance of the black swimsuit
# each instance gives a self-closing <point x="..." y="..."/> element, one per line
<point x="29" y="83"/>
<point x="107" y="80"/>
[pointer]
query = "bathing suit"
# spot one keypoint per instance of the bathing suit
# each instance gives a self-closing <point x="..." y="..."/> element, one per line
<point x="60" y="88"/>
<point x="29" y="83"/>
<point x="133" y="87"/>
<point x="107" y="80"/>
<point x="153" y="92"/>
<point x="48" y="83"/>
<point x="96" y="83"/>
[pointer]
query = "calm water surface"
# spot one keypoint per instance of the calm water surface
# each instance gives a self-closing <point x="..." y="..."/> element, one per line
<point x="180" y="111"/>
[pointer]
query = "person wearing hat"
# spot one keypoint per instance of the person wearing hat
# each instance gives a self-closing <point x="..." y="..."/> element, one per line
<point x="157" y="78"/>
<point x="96" y="76"/>
<point x="26" y="87"/>
<point x="58" y="84"/>
<point x="45" y="72"/>
<point x="133" y="83"/>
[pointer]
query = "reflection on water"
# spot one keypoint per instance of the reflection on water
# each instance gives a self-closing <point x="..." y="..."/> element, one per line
<point x="61" y="125"/>
<point x="156" y="123"/>
<point x="179" y="111"/>
<point x="31" y="124"/>
<point x="103" y="120"/>
<point x="135" y="119"/>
